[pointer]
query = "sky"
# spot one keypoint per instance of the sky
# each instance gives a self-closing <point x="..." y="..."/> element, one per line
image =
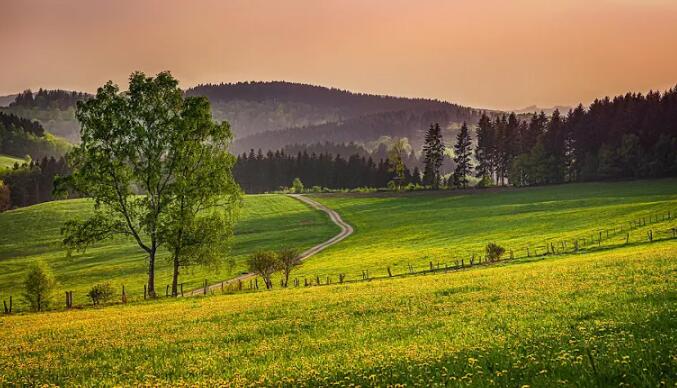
<point x="496" y="54"/>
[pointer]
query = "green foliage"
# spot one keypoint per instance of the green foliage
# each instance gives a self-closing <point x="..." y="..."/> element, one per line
<point x="484" y="182"/>
<point x="151" y="140"/>
<point x="265" y="264"/>
<point x="39" y="285"/>
<point x="101" y="293"/>
<point x="396" y="163"/>
<point x="433" y="152"/>
<point x="494" y="251"/>
<point x="297" y="186"/>
<point x="288" y="259"/>
<point x="463" y="152"/>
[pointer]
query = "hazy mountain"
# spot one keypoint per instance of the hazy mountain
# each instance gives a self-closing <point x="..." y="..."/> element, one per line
<point x="548" y="111"/>
<point x="271" y="115"/>
<point x="6" y="100"/>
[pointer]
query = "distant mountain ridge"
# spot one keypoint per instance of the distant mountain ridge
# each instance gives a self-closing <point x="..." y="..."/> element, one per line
<point x="275" y="114"/>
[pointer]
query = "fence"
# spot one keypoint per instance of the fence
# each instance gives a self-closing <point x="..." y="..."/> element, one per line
<point x="630" y="232"/>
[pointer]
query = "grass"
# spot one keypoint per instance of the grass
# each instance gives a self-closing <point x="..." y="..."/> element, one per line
<point x="598" y="319"/>
<point x="416" y="228"/>
<point x="7" y="162"/>
<point x="32" y="233"/>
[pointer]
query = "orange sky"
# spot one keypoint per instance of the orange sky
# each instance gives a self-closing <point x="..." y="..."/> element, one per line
<point x="493" y="54"/>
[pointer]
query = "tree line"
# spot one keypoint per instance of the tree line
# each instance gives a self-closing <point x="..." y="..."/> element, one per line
<point x="32" y="182"/>
<point x="257" y="172"/>
<point x="630" y="136"/>
<point x="48" y="99"/>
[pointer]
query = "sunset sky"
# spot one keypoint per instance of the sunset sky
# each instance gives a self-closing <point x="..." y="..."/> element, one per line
<point x="492" y="54"/>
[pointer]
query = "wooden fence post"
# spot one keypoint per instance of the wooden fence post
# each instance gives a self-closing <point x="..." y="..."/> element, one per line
<point x="256" y="283"/>
<point x="650" y="235"/>
<point x="167" y="291"/>
<point x="341" y="276"/>
<point x="317" y="279"/>
<point x="145" y="291"/>
<point x="390" y="274"/>
<point x="181" y="289"/>
<point x="4" y="303"/>
<point x="222" y="287"/>
<point x="68" y="305"/>
<point x="431" y="266"/>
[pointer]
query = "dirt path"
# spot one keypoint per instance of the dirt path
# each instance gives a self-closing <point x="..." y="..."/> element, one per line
<point x="346" y="230"/>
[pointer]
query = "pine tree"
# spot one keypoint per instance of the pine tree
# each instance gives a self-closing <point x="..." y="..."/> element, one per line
<point x="462" y="150"/>
<point x="433" y="152"/>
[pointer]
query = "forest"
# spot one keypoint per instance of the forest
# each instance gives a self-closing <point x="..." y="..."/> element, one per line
<point x="627" y="137"/>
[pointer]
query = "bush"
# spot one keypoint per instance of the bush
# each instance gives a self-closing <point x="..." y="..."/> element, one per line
<point x="297" y="186"/>
<point x="484" y="182"/>
<point x="494" y="251"/>
<point x="39" y="286"/>
<point x="102" y="292"/>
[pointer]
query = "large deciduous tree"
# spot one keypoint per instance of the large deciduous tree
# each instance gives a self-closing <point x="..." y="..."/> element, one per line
<point x="136" y="149"/>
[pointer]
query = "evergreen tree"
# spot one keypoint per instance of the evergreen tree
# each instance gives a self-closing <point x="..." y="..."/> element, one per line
<point x="433" y="151"/>
<point x="462" y="158"/>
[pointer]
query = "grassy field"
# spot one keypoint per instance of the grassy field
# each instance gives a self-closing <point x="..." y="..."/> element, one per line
<point x="7" y="162"/>
<point x="596" y="319"/>
<point x="32" y="233"/>
<point x="416" y="228"/>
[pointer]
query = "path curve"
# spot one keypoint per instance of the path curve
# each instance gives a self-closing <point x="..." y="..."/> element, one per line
<point x="346" y="230"/>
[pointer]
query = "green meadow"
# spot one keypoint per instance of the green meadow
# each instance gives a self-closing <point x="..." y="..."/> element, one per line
<point x="597" y="319"/>
<point x="7" y="162"/>
<point x="34" y="233"/>
<point x="397" y="230"/>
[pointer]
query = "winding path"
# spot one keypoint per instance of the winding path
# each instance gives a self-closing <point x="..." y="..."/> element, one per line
<point x="346" y="230"/>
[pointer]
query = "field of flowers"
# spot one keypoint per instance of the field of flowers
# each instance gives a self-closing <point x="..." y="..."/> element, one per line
<point x="598" y="319"/>
<point x="33" y="233"/>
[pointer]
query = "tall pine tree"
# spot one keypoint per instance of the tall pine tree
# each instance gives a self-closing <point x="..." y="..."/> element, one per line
<point x="433" y="152"/>
<point x="463" y="151"/>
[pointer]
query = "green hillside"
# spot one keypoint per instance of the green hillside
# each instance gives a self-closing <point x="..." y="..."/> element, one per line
<point x="32" y="233"/>
<point x="599" y="319"/>
<point x="7" y="162"/>
<point x="398" y="230"/>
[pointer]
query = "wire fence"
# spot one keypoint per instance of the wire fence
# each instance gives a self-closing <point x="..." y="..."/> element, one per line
<point x="642" y="230"/>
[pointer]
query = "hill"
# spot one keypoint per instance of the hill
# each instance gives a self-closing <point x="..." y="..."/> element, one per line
<point x="7" y="162"/>
<point x="33" y="233"/>
<point x="6" y="100"/>
<point x="397" y="230"/>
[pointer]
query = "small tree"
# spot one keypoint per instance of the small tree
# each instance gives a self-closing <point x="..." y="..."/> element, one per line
<point x="264" y="264"/>
<point x="101" y="292"/>
<point x="494" y="251"/>
<point x="288" y="259"/>
<point x="297" y="186"/>
<point x="39" y="286"/>
<point x="396" y="163"/>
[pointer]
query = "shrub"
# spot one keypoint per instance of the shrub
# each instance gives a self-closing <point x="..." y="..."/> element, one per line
<point x="39" y="286"/>
<point x="102" y="292"/>
<point x="484" y="182"/>
<point x="494" y="251"/>
<point x="297" y="186"/>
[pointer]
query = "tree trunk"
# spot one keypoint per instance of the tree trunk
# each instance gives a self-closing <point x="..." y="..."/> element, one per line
<point x="175" y="278"/>
<point x="151" y="272"/>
